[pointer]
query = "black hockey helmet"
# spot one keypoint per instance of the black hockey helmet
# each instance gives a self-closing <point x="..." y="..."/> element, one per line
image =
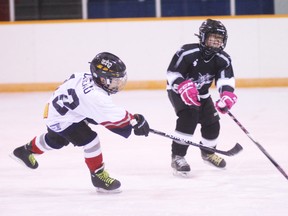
<point x="108" y="72"/>
<point x="208" y="28"/>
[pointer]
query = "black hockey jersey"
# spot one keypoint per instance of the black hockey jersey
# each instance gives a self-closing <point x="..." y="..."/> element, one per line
<point x="187" y="63"/>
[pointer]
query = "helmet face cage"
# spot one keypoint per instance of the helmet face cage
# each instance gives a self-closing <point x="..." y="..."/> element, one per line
<point x="108" y="72"/>
<point x="215" y="29"/>
<point x="113" y="85"/>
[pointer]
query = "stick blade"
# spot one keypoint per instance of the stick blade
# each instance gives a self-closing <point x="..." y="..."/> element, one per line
<point x="235" y="150"/>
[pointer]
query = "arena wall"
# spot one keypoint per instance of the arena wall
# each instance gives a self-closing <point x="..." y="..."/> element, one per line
<point x="38" y="55"/>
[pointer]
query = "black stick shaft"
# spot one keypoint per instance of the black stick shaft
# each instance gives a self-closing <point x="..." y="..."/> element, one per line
<point x="259" y="146"/>
<point x="235" y="150"/>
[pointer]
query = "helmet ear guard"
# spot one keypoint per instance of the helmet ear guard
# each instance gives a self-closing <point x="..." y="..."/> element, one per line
<point x="108" y="72"/>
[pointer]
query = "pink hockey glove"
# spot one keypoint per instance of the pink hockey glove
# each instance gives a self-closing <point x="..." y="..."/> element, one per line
<point x="227" y="100"/>
<point x="188" y="93"/>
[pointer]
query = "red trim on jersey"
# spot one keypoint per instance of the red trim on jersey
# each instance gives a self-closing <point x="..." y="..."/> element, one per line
<point x="119" y="124"/>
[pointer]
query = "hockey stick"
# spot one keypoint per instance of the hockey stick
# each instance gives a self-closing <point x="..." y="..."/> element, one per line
<point x="233" y="151"/>
<point x="258" y="145"/>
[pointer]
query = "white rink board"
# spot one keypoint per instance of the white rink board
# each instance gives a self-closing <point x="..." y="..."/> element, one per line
<point x="50" y="52"/>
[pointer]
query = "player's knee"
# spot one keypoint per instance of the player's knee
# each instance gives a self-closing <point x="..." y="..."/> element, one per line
<point x="211" y="131"/>
<point x="187" y="121"/>
<point x="82" y="138"/>
<point x="55" y="141"/>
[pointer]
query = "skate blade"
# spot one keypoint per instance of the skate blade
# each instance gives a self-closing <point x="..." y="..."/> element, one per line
<point x="103" y="191"/>
<point x="19" y="161"/>
<point x="182" y="174"/>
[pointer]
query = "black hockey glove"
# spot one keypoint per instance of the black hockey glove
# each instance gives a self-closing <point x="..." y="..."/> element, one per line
<point x="142" y="126"/>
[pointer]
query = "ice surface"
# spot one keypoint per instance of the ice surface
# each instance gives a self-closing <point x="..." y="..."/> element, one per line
<point x="249" y="186"/>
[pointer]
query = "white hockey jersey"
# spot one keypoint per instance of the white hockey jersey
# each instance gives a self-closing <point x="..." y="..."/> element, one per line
<point x="79" y="98"/>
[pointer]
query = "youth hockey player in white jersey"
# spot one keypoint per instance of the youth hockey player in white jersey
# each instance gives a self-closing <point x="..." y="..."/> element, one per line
<point x="82" y="99"/>
<point x="190" y="74"/>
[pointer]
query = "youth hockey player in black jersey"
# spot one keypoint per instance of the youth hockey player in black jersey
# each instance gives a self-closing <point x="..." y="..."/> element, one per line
<point x="190" y="74"/>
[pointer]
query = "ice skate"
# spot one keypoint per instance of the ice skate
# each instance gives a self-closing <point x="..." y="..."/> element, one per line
<point x="213" y="159"/>
<point x="25" y="155"/>
<point x="180" y="166"/>
<point x="104" y="183"/>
